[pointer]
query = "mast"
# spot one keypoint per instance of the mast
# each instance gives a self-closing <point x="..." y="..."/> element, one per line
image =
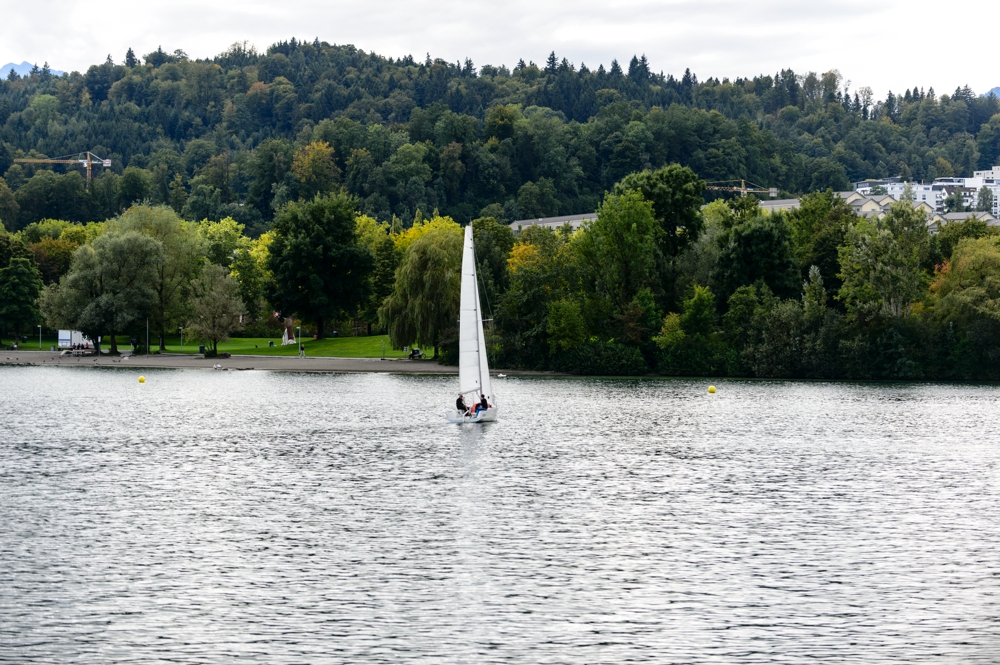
<point x="484" y="368"/>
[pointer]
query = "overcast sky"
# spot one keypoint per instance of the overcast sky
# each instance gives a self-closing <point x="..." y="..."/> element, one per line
<point x="886" y="44"/>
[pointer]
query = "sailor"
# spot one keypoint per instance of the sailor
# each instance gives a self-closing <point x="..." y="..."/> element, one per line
<point x="483" y="405"/>
<point x="460" y="405"/>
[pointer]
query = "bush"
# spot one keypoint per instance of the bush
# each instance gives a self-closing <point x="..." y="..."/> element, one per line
<point x="695" y="355"/>
<point x="602" y="359"/>
<point x="448" y="354"/>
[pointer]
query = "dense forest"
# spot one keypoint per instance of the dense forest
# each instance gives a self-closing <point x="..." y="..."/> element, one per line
<point x="240" y="134"/>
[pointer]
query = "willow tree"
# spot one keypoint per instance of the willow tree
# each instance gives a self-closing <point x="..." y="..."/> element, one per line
<point x="423" y="306"/>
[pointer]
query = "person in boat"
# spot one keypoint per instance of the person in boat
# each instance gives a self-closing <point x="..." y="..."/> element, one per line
<point x="461" y="406"/>
<point x="483" y="405"/>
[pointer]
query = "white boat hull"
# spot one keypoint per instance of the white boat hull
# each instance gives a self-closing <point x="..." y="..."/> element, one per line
<point x="487" y="416"/>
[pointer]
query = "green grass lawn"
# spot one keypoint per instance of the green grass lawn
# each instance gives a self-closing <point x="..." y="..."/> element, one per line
<point x="31" y="344"/>
<point x="339" y="347"/>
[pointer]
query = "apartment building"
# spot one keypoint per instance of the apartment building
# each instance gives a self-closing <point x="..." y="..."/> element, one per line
<point x="935" y="193"/>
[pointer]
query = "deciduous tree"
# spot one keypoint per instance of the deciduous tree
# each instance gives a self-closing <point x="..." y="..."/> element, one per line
<point x="320" y="272"/>
<point x="20" y="286"/>
<point x="315" y="169"/>
<point x="620" y="246"/>
<point x="676" y="194"/>
<point x="110" y="287"/>
<point x="183" y="255"/>
<point x="134" y="186"/>
<point x="8" y="207"/>
<point x="218" y="308"/>
<point x="757" y="250"/>
<point x="881" y="263"/>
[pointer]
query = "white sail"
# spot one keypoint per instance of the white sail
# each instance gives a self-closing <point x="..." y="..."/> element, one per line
<point x="473" y="369"/>
<point x="471" y="347"/>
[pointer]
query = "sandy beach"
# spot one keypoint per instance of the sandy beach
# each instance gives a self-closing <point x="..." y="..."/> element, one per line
<point x="274" y="363"/>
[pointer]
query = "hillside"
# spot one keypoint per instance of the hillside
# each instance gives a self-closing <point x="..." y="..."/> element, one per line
<point x="24" y="69"/>
<point x="223" y="136"/>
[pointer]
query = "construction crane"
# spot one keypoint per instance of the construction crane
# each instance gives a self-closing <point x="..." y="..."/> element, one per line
<point x="720" y="186"/>
<point x="89" y="162"/>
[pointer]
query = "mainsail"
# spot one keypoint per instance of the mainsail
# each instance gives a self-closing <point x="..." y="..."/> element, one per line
<point x="473" y="370"/>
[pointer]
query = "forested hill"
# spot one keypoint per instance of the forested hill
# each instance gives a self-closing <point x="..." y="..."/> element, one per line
<point x="243" y="132"/>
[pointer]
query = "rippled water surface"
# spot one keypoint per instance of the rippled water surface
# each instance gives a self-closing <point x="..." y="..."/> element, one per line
<point x="215" y="517"/>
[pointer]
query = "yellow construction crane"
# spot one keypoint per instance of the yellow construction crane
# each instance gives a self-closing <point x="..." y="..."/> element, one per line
<point x="89" y="162"/>
<point x="720" y="186"/>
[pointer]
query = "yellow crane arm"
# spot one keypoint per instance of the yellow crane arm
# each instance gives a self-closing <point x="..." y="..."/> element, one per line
<point x="88" y="163"/>
<point x="743" y="189"/>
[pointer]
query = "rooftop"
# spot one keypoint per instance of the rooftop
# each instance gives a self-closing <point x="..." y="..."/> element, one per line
<point x="575" y="221"/>
<point x="779" y="204"/>
<point x="962" y="216"/>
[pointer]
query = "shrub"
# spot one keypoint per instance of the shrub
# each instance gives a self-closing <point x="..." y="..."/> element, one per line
<point x="602" y="359"/>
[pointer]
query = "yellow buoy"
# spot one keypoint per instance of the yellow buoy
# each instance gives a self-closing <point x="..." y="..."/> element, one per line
<point x="711" y="389"/>
<point x="142" y="379"/>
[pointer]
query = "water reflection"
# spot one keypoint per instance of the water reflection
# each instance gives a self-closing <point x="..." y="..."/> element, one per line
<point x="212" y="517"/>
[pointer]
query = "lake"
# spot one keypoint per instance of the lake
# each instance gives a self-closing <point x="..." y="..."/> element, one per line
<point x="216" y="517"/>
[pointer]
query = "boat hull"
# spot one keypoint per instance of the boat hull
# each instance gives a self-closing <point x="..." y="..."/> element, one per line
<point x="487" y="416"/>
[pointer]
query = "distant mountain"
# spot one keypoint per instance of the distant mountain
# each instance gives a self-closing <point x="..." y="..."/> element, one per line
<point x="22" y="69"/>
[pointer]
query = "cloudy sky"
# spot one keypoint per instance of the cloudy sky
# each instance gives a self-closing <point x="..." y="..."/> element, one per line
<point x="885" y="44"/>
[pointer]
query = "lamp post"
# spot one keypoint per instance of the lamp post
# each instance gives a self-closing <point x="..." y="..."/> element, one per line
<point x="39" y="338"/>
<point x="181" y="329"/>
<point x="298" y="338"/>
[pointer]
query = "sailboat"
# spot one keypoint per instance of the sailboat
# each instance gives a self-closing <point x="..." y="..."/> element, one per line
<point x="473" y="368"/>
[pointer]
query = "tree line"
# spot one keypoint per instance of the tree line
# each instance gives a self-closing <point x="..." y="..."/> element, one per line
<point x="659" y="282"/>
<point x="242" y="134"/>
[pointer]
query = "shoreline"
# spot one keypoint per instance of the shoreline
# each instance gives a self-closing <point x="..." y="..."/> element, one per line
<point x="314" y="364"/>
<point x="234" y="363"/>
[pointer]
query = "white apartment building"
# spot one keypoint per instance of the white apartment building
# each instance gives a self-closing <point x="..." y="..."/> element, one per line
<point x="934" y="194"/>
<point x="993" y="174"/>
